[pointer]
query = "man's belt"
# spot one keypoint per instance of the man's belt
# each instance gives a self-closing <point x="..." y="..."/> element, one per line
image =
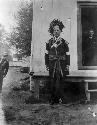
<point x="56" y="57"/>
<point x="57" y="66"/>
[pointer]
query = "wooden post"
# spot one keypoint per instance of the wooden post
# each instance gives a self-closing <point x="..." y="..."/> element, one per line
<point x="32" y="84"/>
<point x="34" y="87"/>
<point x="36" y="93"/>
<point x="87" y="92"/>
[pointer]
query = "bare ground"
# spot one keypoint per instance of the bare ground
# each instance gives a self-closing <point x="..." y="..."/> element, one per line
<point x="18" y="112"/>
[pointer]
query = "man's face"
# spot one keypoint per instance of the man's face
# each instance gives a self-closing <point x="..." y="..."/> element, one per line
<point x="91" y="33"/>
<point x="4" y="57"/>
<point x="56" y="31"/>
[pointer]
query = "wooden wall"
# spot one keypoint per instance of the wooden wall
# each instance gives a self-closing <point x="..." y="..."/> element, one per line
<point x="44" y="11"/>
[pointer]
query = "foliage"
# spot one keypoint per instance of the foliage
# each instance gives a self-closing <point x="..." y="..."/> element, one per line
<point x="22" y="34"/>
<point x="2" y="31"/>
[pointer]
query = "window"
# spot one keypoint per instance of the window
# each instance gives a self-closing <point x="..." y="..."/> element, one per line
<point x="87" y="35"/>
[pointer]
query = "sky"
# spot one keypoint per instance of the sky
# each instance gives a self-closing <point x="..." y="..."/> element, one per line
<point x="7" y="10"/>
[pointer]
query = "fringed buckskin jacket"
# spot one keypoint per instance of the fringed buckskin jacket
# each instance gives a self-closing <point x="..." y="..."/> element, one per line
<point x="56" y="60"/>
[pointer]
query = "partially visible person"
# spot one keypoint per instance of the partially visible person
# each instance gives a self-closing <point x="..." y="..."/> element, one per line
<point x="89" y="48"/>
<point x="4" y="66"/>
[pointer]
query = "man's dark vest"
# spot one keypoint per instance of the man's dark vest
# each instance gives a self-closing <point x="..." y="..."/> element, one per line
<point x="56" y="60"/>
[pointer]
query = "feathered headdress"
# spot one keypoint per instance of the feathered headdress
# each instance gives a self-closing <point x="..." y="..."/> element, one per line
<point x="54" y="23"/>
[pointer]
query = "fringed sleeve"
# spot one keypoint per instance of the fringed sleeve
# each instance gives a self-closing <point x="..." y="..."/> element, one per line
<point x="47" y="56"/>
<point x="47" y="47"/>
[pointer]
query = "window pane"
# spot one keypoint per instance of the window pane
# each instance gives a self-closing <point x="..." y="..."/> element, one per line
<point x="89" y="35"/>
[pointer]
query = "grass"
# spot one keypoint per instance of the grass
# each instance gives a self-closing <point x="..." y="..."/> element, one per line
<point x="39" y="112"/>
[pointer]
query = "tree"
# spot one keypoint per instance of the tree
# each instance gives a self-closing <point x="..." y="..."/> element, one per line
<point x="2" y="31"/>
<point x="21" y="35"/>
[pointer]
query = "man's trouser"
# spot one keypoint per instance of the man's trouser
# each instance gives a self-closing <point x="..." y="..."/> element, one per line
<point x="56" y="89"/>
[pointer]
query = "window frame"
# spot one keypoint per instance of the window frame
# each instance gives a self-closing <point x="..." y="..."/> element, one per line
<point x="81" y="4"/>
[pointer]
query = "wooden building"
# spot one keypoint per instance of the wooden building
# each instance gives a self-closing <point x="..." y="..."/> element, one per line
<point x="79" y="18"/>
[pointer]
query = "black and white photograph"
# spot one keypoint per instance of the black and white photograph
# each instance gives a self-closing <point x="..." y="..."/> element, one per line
<point x="48" y="62"/>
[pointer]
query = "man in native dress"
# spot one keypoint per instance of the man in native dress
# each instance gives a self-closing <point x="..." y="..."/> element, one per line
<point x="56" y="61"/>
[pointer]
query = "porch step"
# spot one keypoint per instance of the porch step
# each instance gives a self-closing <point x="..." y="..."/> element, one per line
<point x="91" y="80"/>
<point x="93" y="90"/>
